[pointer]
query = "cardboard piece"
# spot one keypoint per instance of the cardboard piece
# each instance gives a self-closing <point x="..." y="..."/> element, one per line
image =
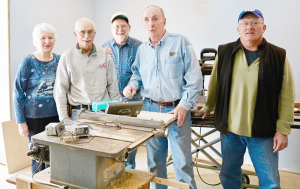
<point x="15" y="146"/>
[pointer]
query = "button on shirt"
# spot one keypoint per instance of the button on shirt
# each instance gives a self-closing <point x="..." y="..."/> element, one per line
<point x="168" y="72"/>
<point x="123" y="57"/>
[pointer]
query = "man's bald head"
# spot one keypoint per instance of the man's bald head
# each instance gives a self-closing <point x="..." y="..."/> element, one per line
<point x="162" y="11"/>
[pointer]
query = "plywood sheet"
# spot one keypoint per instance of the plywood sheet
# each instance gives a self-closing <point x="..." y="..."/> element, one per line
<point x="156" y="116"/>
<point x="16" y="147"/>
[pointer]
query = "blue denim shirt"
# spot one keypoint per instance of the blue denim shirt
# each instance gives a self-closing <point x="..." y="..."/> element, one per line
<point x="168" y="72"/>
<point x="123" y="57"/>
<point x="33" y="88"/>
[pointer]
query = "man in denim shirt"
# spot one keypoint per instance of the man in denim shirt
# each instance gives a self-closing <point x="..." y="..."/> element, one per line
<point x="168" y="73"/>
<point x="124" y="50"/>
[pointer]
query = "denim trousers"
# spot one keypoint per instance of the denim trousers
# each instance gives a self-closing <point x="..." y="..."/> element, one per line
<point x="180" y="141"/>
<point x="261" y="153"/>
<point x="130" y="160"/>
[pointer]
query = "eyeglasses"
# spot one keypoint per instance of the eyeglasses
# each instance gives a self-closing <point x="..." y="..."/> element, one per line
<point x="253" y="23"/>
<point x="122" y="27"/>
<point x="90" y="32"/>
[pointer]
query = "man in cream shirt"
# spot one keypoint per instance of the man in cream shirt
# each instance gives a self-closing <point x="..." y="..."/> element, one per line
<point x="85" y="73"/>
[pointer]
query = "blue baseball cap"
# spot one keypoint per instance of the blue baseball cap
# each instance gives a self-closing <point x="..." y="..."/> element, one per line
<point x="256" y="12"/>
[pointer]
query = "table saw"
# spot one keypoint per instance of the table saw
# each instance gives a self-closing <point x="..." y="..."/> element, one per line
<point x="94" y="161"/>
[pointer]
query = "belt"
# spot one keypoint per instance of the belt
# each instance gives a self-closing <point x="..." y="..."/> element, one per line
<point x="174" y="103"/>
<point x="122" y="95"/>
<point x="88" y="107"/>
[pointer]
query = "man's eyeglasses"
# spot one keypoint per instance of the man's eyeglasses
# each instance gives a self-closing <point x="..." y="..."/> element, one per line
<point x="120" y="27"/>
<point x="90" y="32"/>
<point x="253" y="23"/>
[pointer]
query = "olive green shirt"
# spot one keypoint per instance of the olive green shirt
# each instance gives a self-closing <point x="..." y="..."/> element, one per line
<point x="243" y="96"/>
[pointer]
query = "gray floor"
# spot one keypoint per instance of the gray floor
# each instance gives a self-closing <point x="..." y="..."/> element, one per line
<point x="288" y="180"/>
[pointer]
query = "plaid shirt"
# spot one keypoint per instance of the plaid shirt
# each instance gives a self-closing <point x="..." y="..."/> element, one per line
<point x="123" y="57"/>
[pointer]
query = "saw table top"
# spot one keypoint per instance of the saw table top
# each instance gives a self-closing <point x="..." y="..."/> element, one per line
<point x="107" y="140"/>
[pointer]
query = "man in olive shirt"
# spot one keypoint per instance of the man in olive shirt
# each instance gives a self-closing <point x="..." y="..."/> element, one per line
<point x="252" y="90"/>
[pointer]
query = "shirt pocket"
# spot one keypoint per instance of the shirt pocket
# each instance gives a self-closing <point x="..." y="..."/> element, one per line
<point x="129" y="64"/>
<point x="173" y="67"/>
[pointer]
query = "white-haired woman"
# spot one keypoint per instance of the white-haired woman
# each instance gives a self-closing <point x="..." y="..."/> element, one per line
<point x="33" y="89"/>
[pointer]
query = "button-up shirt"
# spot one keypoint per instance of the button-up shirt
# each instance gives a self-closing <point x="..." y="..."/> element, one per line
<point x="168" y="72"/>
<point x="123" y="57"/>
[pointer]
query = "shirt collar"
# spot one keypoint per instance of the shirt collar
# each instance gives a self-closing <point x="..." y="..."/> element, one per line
<point x="128" y="42"/>
<point x="162" y="41"/>
<point x="94" y="49"/>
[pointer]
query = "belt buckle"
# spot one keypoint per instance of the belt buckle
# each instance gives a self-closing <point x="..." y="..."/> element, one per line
<point x="161" y="103"/>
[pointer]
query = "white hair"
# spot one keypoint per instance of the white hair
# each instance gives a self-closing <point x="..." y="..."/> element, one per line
<point x="84" y="19"/>
<point x="44" y="26"/>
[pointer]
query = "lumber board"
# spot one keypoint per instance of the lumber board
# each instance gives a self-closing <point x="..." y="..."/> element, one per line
<point x="16" y="147"/>
<point x="170" y="183"/>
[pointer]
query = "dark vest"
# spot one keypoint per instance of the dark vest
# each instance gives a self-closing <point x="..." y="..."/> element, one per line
<point x="270" y="76"/>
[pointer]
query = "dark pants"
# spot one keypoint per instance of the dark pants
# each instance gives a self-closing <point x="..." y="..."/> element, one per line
<point x="36" y="126"/>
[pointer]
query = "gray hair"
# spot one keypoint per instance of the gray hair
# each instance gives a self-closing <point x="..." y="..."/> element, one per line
<point x="162" y="11"/>
<point x="44" y="26"/>
<point x="84" y="19"/>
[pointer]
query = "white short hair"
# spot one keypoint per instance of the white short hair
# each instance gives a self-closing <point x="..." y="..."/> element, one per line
<point x="84" y="19"/>
<point x="44" y="26"/>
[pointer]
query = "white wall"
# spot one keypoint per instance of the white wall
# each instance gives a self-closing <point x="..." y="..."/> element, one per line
<point x="206" y="23"/>
<point x="5" y="112"/>
<point x="25" y="15"/>
<point x="4" y="71"/>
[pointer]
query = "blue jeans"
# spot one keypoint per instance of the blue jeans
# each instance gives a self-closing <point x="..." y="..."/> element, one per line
<point x="180" y="141"/>
<point x="130" y="160"/>
<point x="261" y="153"/>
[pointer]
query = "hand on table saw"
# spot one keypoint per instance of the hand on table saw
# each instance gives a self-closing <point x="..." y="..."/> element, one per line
<point x="200" y="112"/>
<point x="179" y="113"/>
<point x="280" y="142"/>
<point x="129" y="92"/>
<point x="23" y="129"/>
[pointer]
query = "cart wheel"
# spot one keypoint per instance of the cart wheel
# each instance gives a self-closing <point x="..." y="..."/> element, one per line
<point x="245" y="180"/>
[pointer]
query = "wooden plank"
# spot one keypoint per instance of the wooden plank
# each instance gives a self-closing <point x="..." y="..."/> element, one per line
<point x="25" y="182"/>
<point x="170" y="183"/>
<point x="13" y="178"/>
<point x="16" y="147"/>
<point x="139" y="180"/>
<point x="132" y="179"/>
<point x="156" y="116"/>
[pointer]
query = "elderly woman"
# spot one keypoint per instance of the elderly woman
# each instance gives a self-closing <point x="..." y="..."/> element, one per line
<point x="33" y="89"/>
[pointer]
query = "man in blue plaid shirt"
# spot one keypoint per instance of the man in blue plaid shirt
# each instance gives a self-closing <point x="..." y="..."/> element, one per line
<point x="124" y="50"/>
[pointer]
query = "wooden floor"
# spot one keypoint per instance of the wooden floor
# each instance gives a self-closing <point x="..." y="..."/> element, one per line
<point x="288" y="180"/>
